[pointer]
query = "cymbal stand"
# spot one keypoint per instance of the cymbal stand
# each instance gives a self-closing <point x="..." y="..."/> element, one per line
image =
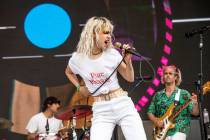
<point x="74" y="134"/>
<point x="199" y="82"/>
<point x="86" y="132"/>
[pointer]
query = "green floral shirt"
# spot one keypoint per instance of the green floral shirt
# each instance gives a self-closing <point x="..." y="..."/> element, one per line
<point x="160" y="104"/>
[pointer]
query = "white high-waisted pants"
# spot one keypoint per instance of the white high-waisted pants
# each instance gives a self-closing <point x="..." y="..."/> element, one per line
<point x="177" y="136"/>
<point x="121" y="111"/>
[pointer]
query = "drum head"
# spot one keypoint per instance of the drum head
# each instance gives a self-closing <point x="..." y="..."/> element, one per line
<point x="50" y="136"/>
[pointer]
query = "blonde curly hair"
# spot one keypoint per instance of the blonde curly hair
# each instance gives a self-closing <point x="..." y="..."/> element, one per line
<point x="90" y="32"/>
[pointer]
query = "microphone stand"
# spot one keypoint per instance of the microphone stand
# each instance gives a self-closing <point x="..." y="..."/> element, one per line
<point x="199" y="83"/>
<point x="74" y="134"/>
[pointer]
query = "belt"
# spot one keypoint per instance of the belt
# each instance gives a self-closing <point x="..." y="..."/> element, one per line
<point x="109" y="96"/>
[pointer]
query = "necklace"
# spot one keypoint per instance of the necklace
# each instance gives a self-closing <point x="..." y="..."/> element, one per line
<point x="97" y="53"/>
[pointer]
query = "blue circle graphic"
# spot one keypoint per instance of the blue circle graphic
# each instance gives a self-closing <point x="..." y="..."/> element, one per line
<point x="47" y="26"/>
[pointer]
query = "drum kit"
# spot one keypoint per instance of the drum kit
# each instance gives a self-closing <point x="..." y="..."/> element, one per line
<point x="49" y="136"/>
<point x="71" y="116"/>
<point x="72" y="129"/>
<point x="76" y="122"/>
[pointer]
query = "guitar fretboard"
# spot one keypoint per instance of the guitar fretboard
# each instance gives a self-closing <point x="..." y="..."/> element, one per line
<point x="175" y="114"/>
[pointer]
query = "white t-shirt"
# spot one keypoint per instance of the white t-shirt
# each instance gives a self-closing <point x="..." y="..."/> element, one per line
<point x="95" y="71"/>
<point x="38" y="122"/>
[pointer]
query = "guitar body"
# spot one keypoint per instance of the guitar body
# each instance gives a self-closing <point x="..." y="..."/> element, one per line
<point x="160" y="133"/>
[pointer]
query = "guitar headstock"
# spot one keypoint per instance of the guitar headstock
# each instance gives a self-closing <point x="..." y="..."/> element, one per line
<point x="206" y="87"/>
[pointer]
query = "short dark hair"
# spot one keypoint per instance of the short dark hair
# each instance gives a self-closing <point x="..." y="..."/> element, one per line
<point x="49" y="101"/>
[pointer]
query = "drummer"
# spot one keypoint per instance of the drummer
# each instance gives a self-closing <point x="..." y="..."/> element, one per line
<point x="45" y="122"/>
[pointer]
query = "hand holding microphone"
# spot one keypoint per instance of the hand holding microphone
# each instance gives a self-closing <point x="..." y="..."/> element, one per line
<point x="126" y="48"/>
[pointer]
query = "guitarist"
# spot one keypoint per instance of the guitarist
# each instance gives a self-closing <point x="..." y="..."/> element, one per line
<point x="171" y="79"/>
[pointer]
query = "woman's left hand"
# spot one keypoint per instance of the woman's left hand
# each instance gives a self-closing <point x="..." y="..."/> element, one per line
<point x="127" y="55"/>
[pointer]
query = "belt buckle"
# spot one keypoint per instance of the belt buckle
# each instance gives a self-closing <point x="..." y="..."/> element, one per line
<point x="107" y="97"/>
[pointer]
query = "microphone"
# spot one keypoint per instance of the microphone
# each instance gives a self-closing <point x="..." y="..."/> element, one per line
<point x="47" y="127"/>
<point x="197" y="31"/>
<point x="130" y="50"/>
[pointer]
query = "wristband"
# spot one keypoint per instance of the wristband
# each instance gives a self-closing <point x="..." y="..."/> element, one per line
<point x="78" y="88"/>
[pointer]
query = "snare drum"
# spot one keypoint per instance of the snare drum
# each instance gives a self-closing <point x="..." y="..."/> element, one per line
<point x="50" y="136"/>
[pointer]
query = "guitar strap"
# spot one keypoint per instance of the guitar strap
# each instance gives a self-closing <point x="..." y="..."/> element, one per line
<point x="177" y="97"/>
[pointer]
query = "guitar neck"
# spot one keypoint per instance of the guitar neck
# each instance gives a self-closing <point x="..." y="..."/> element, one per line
<point x="175" y="114"/>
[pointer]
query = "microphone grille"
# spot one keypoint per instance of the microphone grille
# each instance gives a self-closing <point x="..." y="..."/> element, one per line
<point x="117" y="44"/>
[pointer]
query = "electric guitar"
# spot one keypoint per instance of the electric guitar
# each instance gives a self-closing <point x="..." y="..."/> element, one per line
<point x="169" y="116"/>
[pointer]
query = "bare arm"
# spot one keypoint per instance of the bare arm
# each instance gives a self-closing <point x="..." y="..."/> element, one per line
<point x="73" y="78"/>
<point x="31" y="136"/>
<point x="195" y="110"/>
<point x="126" y="68"/>
<point x="155" y="120"/>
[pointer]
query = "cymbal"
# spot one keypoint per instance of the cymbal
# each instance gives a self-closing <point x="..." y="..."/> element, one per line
<point x="4" y="123"/>
<point x="79" y="111"/>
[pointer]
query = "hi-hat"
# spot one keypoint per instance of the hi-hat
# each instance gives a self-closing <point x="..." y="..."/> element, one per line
<point x="78" y="111"/>
<point x="4" y="123"/>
